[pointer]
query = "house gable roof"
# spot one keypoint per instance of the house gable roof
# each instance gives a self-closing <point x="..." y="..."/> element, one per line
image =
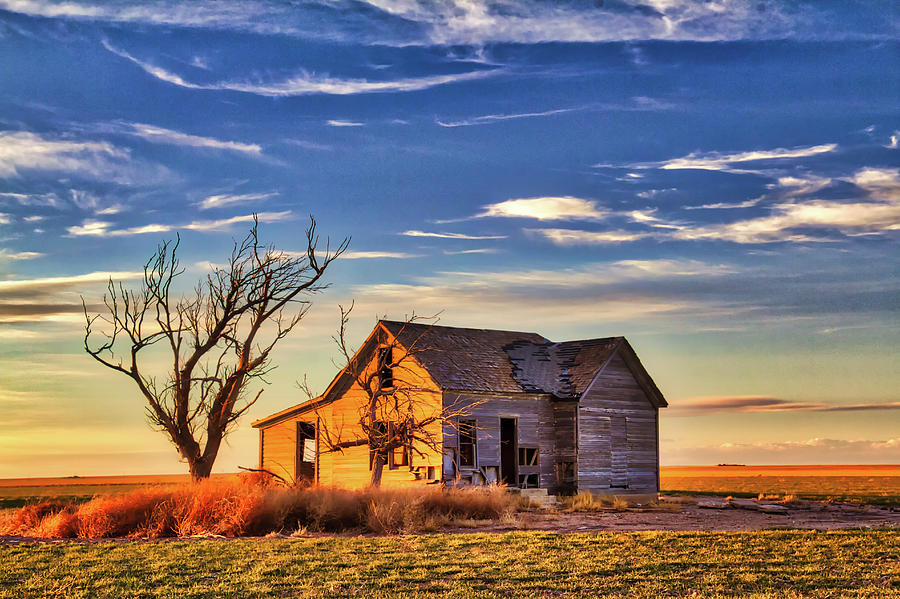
<point x="464" y="359"/>
<point x="487" y="360"/>
<point x="494" y="361"/>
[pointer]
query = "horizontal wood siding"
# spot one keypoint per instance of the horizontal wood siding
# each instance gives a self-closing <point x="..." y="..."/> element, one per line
<point x="630" y="451"/>
<point x="535" y="423"/>
<point x="279" y="448"/>
<point x="350" y="468"/>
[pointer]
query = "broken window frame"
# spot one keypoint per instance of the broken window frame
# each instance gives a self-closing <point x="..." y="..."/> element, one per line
<point x="385" y="367"/>
<point x="535" y="455"/>
<point x="399" y="456"/>
<point x="467" y="429"/>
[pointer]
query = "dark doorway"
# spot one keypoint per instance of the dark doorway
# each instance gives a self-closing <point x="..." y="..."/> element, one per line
<point x="508" y="447"/>
<point x="306" y="452"/>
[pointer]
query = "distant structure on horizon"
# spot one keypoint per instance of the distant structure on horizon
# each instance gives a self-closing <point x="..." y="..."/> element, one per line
<point x="569" y="416"/>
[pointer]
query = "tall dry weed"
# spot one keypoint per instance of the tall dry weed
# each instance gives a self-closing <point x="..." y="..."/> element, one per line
<point x="248" y="506"/>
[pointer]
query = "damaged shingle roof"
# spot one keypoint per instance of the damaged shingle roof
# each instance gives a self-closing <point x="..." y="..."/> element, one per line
<point x="504" y="361"/>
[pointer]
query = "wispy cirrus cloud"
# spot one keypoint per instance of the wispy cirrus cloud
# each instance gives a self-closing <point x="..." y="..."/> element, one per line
<point x="796" y="186"/>
<point x="98" y="228"/>
<point x="441" y="235"/>
<point x="480" y="22"/>
<point x="581" y="237"/>
<point x="161" y="135"/>
<point x="227" y="199"/>
<point x="488" y="119"/>
<point x="725" y="205"/>
<point x="22" y="151"/>
<point x="734" y="162"/>
<point x="32" y="199"/>
<point x="766" y="404"/>
<point x="472" y="251"/>
<point x="375" y="255"/>
<point x="304" y="83"/>
<point x="477" y="22"/>
<point x="876" y="212"/>
<point x="340" y="123"/>
<point x="588" y="294"/>
<point x="17" y="256"/>
<point x="809" y="451"/>
<point x="635" y="104"/>
<point x="50" y="299"/>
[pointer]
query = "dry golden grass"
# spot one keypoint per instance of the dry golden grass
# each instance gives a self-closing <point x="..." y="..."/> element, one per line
<point x="870" y="483"/>
<point x="585" y="501"/>
<point x="250" y="506"/>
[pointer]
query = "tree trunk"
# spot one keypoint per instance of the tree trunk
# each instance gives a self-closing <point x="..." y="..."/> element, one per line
<point x="200" y="469"/>
<point x="377" y="468"/>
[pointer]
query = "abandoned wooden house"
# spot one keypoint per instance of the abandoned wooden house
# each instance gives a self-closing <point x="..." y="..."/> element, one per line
<point x="512" y="407"/>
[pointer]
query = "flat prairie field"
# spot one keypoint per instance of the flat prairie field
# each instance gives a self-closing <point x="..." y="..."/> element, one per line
<point x="866" y="483"/>
<point x="15" y="492"/>
<point x="522" y="564"/>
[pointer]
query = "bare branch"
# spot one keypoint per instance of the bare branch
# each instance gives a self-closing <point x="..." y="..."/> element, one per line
<point x="219" y="338"/>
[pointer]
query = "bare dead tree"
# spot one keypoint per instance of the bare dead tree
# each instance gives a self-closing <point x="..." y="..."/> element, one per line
<point x="218" y="339"/>
<point x="398" y="412"/>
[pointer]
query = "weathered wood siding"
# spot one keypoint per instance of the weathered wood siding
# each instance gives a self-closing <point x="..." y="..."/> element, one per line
<point x="535" y="419"/>
<point x="279" y="448"/>
<point x="350" y="468"/>
<point x="617" y="435"/>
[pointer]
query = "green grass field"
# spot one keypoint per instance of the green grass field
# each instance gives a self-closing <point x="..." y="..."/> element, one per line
<point x="522" y="564"/>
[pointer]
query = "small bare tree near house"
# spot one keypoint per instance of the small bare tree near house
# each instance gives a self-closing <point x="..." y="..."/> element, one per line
<point x="217" y="339"/>
<point x="398" y="416"/>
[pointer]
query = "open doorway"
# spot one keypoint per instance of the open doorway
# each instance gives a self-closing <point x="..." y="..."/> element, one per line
<point x="306" y="453"/>
<point x="508" y="447"/>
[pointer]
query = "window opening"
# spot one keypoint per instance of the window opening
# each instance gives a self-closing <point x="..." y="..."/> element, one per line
<point x="467" y="443"/>
<point x="528" y="456"/>
<point x="385" y="367"/>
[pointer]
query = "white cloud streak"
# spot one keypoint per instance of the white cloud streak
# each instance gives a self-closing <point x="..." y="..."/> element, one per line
<point x="495" y="118"/>
<point x="546" y="209"/>
<point x="98" y="228"/>
<point x="221" y="200"/>
<point x="16" y="256"/>
<point x="717" y="161"/>
<point x="766" y="404"/>
<point x="725" y="205"/>
<point x="790" y="220"/>
<point x="472" y="251"/>
<point x="168" y="136"/>
<point x="473" y="22"/>
<point x="579" y="237"/>
<point x="45" y="283"/>
<point x="416" y="233"/>
<point x="339" y="123"/>
<point x="23" y="151"/>
<point x="305" y="83"/>
<point x="375" y="255"/>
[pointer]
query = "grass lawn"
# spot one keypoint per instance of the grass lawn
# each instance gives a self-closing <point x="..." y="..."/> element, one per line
<point x="523" y="564"/>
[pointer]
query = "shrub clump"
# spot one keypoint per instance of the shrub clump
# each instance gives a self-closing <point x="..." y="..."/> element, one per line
<point x="250" y="506"/>
<point x="585" y="501"/>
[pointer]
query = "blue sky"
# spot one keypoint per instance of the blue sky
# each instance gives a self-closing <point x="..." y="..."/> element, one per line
<point x="718" y="181"/>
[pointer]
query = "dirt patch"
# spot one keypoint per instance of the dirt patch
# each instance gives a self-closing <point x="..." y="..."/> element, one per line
<point x="816" y="515"/>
